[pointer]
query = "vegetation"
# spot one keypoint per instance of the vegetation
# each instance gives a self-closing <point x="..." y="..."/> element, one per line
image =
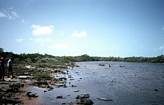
<point x="41" y="75"/>
<point x="16" y="87"/>
<point x="44" y="60"/>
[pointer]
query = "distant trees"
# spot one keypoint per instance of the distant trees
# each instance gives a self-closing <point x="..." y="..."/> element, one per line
<point x="45" y="58"/>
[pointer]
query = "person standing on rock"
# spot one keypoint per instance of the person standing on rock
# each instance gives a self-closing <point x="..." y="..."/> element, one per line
<point x="3" y="68"/>
<point x="9" y="65"/>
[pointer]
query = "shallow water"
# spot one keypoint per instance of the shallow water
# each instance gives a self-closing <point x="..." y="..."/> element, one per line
<point x="133" y="84"/>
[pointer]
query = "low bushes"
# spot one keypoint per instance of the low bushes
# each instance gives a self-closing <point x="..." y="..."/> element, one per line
<point x="40" y="75"/>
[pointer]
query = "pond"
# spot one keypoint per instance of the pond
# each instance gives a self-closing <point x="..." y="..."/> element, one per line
<point x="125" y="83"/>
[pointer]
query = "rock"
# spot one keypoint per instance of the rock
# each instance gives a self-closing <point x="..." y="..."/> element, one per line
<point x="84" y="101"/>
<point x="23" y="77"/>
<point x="73" y="86"/>
<point x="59" y="97"/>
<point x="77" y="66"/>
<point x="63" y="72"/>
<point x="82" y="96"/>
<point x="16" y="87"/>
<point x="26" y="73"/>
<point x="29" y="94"/>
<point x="70" y="102"/>
<point x="155" y="89"/>
<point x="111" y="80"/>
<point x="59" y="85"/>
<point x="50" y="88"/>
<point x="122" y="66"/>
<point x="76" y="90"/>
<point x="35" y="95"/>
<point x="105" y="99"/>
<point x="63" y="103"/>
<point x="71" y="78"/>
<point x="62" y="78"/>
<point x="101" y="64"/>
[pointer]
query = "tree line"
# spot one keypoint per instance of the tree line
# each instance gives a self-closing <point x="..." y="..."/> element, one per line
<point x="36" y="57"/>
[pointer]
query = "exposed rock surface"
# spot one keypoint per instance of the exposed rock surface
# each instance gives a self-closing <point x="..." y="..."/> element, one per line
<point x="84" y="99"/>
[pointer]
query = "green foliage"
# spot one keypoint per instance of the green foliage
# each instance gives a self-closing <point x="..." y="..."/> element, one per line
<point x="16" y="86"/>
<point x="56" y="61"/>
<point x="41" y="75"/>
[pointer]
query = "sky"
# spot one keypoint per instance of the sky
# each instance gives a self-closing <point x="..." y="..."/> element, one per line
<point x="119" y="28"/>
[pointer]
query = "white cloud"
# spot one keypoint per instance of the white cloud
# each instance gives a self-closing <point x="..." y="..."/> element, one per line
<point x="2" y="14"/>
<point x="14" y="14"/>
<point x="82" y="34"/>
<point x="161" y="47"/>
<point x="35" y="26"/>
<point x="23" y="21"/>
<point x="59" y="46"/>
<point x="9" y="13"/>
<point x="38" y="30"/>
<point x="19" y="40"/>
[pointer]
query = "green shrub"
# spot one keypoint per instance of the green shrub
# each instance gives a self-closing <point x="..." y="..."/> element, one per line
<point x="41" y="75"/>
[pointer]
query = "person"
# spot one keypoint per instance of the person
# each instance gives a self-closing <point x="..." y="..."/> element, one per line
<point x="9" y="65"/>
<point x="2" y="68"/>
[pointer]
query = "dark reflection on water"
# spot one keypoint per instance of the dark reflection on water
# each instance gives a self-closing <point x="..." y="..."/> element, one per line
<point x="130" y="84"/>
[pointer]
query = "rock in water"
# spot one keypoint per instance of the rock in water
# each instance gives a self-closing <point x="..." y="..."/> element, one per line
<point x="76" y="90"/>
<point x="82" y="96"/>
<point x="84" y="101"/>
<point x="105" y="99"/>
<point x="59" y="97"/>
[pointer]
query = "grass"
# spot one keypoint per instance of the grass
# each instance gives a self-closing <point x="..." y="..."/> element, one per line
<point x="41" y="75"/>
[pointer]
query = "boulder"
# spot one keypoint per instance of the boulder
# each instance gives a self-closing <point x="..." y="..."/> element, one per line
<point x="82" y="96"/>
<point x="84" y="101"/>
<point x="29" y="94"/>
<point x="59" y="97"/>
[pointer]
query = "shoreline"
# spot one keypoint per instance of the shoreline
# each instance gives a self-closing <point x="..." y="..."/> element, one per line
<point x="105" y="85"/>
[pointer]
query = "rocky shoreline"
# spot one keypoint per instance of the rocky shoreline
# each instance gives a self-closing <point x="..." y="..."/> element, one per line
<point x="87" y="84"/>
<point x="14" y="90"/>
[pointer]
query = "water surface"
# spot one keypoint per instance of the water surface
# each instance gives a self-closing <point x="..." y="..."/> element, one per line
<point x="130" y="84"/>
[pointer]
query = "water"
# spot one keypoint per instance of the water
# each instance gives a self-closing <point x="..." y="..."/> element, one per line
<point x="131" y="84"/>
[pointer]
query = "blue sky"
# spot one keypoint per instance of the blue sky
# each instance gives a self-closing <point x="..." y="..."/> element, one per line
<point x="74" y="27"/>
